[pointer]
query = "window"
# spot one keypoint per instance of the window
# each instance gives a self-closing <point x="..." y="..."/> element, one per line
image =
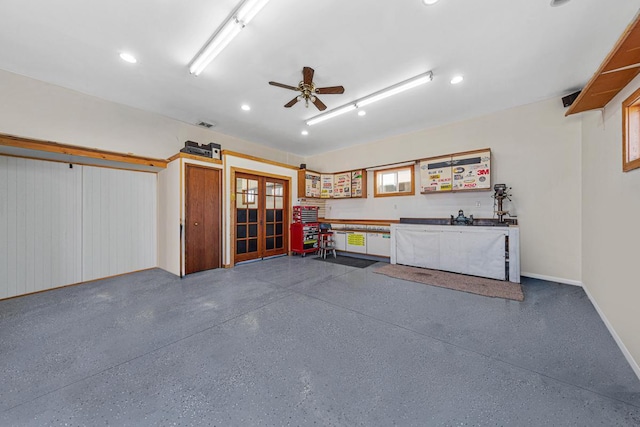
<point x="394" y="182"/>
<point x="631" y="132"/>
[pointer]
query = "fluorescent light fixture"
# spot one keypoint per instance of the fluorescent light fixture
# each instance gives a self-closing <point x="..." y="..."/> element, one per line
<point x="377" y="96"/>
<point x="249" y="10"/>
<point x="331" y="114"/>
<point x="128" y="58"/>
<point x="395" y="89"/>
<point x="229" y="30"/>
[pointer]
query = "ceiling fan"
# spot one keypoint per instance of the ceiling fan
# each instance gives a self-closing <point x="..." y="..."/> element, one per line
<point x="308" y="90"/>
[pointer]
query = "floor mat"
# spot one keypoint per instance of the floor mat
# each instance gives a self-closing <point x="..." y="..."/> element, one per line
<point x="347" y="260"/>
<point x="459" y="282"/>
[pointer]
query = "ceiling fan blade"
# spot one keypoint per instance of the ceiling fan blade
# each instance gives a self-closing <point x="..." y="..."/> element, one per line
<point x="283" y="85"/>
<point x="307" y="75"/>
<point x="291" y="103"/>
<point x="330" y="90"/>
<point x="319" y="104"/>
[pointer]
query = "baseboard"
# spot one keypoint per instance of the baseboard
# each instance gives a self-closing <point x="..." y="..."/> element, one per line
<point x="632" y="362"/>
<point x="553" y="279"/>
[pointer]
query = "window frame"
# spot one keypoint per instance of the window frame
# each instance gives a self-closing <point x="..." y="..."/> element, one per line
<point x="411" y="192"/>
<point x="630" y="106"/>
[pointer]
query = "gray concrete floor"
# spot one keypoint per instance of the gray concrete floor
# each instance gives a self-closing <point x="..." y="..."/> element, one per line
<point x="295" y="341"/>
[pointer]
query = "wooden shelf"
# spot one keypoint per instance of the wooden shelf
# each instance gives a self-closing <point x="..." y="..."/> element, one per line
<point x="194" y="157"/>
<point x="53" y="151"/>
<point x="617" y="70"/>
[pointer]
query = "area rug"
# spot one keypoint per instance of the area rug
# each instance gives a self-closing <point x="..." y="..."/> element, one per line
<point x="459" y="282"/>
<point x="347" y="260"/>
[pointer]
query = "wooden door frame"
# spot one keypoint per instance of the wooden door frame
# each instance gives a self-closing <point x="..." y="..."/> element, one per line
<point x="186" y="210"/>
<point x="232" y="206"/>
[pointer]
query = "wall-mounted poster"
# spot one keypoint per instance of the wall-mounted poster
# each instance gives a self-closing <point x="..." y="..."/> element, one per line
<point x="312" y="184"/>
<point x="342" y="185"/>
<point x="456" y="172"/>
<point x="435" y="175"/>
<point x="357" y="183"/>
<point x="326" y="186"/>
<point x="471" y="171"/>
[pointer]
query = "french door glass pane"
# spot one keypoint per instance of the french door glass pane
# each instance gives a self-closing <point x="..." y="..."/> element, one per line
<point x="270" y="243"/>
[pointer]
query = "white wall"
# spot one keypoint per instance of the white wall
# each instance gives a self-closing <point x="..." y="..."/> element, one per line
<point x="40" y="225"/>
<point x="611" y="235"/>
<point x="33" y="109"/>
<point x="535" y="150"/>
<point x="169" y="221"/>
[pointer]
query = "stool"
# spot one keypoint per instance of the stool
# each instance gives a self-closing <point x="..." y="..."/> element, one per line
<point x="326" y="244"/>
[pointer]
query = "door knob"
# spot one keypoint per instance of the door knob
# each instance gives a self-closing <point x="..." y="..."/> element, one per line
<point x="195" y="223"/>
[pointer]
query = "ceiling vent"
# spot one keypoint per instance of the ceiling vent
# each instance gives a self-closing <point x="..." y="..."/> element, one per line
<point x="204" y="124"/>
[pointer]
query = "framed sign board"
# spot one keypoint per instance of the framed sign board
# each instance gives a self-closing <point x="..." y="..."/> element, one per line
<point x="468" y="171"/>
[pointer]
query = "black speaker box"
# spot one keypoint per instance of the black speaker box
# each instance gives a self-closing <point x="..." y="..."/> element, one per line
<point x="568" y="100"/>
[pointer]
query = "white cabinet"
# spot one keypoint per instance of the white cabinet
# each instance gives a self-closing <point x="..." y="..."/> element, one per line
<point x="340" y="239"/>
<point x="417" y="247"/>
<point x="379" y="244"/>
<point x="356" y="242"/>
<point x="492" y="252"/>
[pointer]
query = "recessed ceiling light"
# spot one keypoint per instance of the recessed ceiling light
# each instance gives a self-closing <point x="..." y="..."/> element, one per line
<point x="305" y="132"/>
<point x="362" y="113"/>
<point x="429" y="2"/>
<point x="128" y="57"/>
<point x="245" y="107"/>
<point x="456" y="79"/>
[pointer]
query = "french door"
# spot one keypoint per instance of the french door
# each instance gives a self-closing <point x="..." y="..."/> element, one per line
<point x="261" y="217"/>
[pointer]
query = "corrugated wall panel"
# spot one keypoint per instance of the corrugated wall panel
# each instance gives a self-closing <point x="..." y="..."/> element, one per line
<point x="40" y="225"/>
<point x="119" y="222"/>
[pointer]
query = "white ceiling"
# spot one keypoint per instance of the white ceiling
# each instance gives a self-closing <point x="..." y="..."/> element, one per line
<point x="511" y="52"/>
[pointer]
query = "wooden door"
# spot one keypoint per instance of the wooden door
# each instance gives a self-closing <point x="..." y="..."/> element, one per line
<point x="203" y="198"/>
<point x="261" y="217"/>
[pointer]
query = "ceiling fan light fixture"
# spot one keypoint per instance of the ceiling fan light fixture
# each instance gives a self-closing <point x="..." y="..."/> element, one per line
<point x="396" y="89"/>
<point x="333" y="113"/>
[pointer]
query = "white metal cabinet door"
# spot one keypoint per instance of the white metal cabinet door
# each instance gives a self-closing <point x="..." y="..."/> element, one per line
<point x="340" y="238"/>
<point x="379" y="244"/>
